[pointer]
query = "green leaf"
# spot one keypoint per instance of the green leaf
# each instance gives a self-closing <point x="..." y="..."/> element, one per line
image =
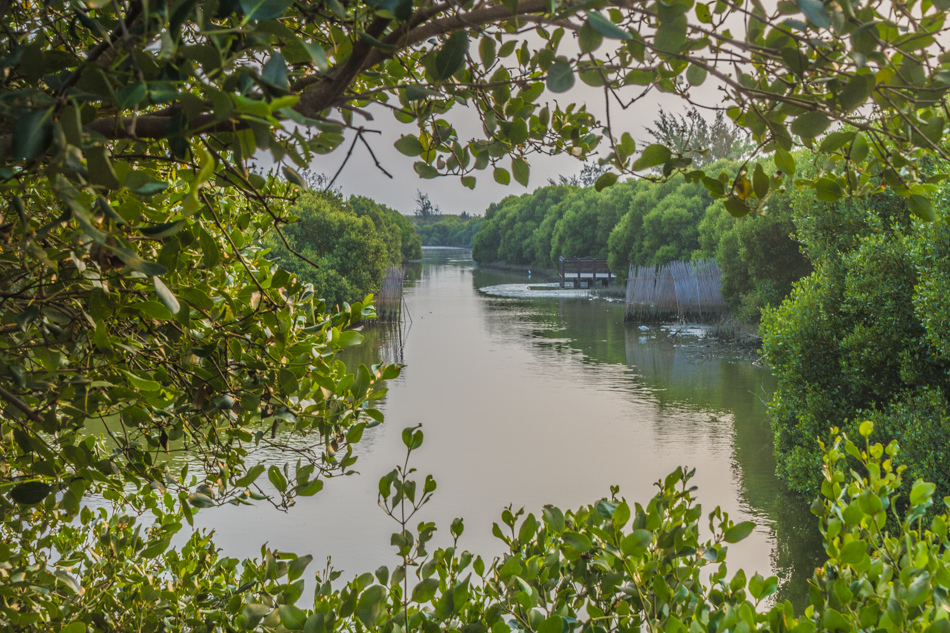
<point x="297" y="566"/>
<point x="316" y="623"/>
<point x="854" y="552"/>
<point x="736" y="207"/>
<point x="785" y="162"/>
<point x="760" y="182"/>
<point x="921" y="492"/>
<point x="143" y="384"/>
<point x="856" y="91"/>
<point x="652" y="156"/>
<point x="349" y="338"/>
<point x="288" y="382"/>
<point x="703" y="14"/>
<point x="30" y="492"/>
<point x="274" y="73"/>
<point x="816" y="12"/>
<point x="636" y="543"/>
<point x="418" y="93"/>
<point x="131" y="95"/>
<point x="580" y="542"/>
<point x="136" y="263"/>
<point x="605" y="180"/>
<point x="294" y="178"/>
<point x="409" y="145"/>
<point x="32" y="133"/>
<point x="68" y="580"/>
<point x="318" y="55"/>
<point x="451" y="57"/>
<point x="264" y="9"/>
<point x="252" y="474"/>
<point x="827" y="189"/>
<point x="199" y="500"/>
<point x="487" y="50"/>
<point x="552" y="624"/>
<point x="922" y="207"/>
<point x="560" y="77"/>
<point x="502" y="176"/>
<point x="671" y="35"/>
<point x="143" y="184"/>
<point x="425" y="590"/>
<point x="811" y="124"/>
<point x="310" y="488"/>
<point x="425" y="170"/>
<point x="277" y="478"/>
<point x="605" y="27"/>
<point x="254" y="613"/>
<point x="161" y="231"/>
<point x="368" y="607"/>
<point x="166" y="296"/>
<point x="639" y="77"/>
<point x="588" y="38"/>
<point x="100" y="167"/>
<point x="738" y="532"/>
<point x="520" y="170"/>
<point x="835" y="141"/>
<point x="293" y="618"/>
<point x="74" y="627"/>
<point x="695" y="75"/>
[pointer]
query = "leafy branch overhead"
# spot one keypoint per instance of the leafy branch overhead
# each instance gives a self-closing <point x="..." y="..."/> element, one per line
<point x="863" y="82"/>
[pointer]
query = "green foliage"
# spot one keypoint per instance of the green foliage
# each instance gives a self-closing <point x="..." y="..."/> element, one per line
<point x="620" y="564"/>
<point x="558" y="220"/>
<point x="758" y="255"/>
<point x="661" y="225"/>
<point x="587" y="218"/>
<point x="511" y="227"/>
<point x="343" y="256"/>
<point x="396" y="230"/>
<point x="449" y="230"/>
<point x="140" y="316"/>
<point x="860" y="338"/>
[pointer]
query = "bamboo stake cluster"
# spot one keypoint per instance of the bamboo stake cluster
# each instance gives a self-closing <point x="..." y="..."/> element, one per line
<point x="676" y="291"/>
<point x="389" y="299"/>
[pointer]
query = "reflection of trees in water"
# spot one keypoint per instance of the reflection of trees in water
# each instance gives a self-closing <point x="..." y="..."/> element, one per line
<point x="740" y="389"/>
<point x="717" y="400"/>
<point x="383" y="342"/>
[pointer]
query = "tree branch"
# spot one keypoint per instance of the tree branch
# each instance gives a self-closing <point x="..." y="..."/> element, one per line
<point x="22" y="406"/>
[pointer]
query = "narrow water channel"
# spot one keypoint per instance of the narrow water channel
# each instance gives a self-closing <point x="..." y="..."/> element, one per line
<point x="535" y="401"/>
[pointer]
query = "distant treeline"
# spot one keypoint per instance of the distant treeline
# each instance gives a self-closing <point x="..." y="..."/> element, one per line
<point x="649" y="223"/>
<point x="352" y="242"/>
<point x="448" y="230"/>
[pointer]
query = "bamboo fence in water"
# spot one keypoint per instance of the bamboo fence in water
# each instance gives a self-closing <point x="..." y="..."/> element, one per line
<point x="679" y="290"/>
<point x="389" y="299"/>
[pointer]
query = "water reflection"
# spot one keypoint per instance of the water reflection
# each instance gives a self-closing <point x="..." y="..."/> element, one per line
<point x="531" y="402"/>
<point x="704" y="395"/>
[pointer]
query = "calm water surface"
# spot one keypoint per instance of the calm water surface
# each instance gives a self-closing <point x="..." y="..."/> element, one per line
<point x="535" y="401"/>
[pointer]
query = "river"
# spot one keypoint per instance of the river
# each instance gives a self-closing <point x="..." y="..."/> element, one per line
<point x="535" y="401"/>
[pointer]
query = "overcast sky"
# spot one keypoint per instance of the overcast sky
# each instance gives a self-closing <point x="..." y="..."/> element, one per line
<point x="361" y="177"/>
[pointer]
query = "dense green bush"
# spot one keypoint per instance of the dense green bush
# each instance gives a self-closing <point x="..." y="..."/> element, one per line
<point x="863" y="337"/>
<point x="402" y="241"/>
<point x="614" y="565"/>
<point x="512" y="231"/>
<point x="759" y="256"/>
<point x="346" y="256"/>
